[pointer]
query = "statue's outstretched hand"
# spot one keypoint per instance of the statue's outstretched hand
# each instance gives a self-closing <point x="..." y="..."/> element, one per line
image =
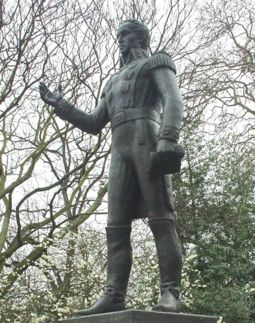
<point x="51" y="98"/>
<point x="166" y="160"/>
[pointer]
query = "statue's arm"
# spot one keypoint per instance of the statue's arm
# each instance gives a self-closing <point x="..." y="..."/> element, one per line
<point x="165" y="82"/>
<point x="89" y="122"/>
<point x="167" y="158"/>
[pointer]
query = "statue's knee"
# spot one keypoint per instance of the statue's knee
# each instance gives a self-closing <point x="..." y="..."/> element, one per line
<point x="114" y="220"/>
<point x="164" y="215"/>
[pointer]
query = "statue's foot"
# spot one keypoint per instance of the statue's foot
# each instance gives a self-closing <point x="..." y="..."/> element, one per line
<point x="168" y="303"/>
<point x="107" y="303"/>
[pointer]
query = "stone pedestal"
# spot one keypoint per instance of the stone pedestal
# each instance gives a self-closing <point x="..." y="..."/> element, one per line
<point x="135" y="316"/>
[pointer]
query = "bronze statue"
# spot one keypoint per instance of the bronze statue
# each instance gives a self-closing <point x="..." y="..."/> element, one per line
<point x="144" y="153"/>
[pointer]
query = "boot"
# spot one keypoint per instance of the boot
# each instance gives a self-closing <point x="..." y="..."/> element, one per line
<point x="119" y="261"/>
<point x="170" y="264"/>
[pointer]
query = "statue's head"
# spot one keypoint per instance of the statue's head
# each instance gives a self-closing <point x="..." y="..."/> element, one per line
<point x="132" y="34"/>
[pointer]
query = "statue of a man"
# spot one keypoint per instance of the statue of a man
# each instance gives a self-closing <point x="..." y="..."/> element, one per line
<point x="143" y="104"/>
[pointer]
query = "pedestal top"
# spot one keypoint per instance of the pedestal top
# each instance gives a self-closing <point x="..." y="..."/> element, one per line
<point x="137" y="316"/>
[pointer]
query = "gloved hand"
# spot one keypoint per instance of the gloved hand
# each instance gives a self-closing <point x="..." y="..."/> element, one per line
<point x="51" y="98"/>
<point x="166" y="160"/>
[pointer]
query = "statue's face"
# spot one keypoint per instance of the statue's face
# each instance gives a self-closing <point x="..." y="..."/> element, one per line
<point x="127" y="38"/>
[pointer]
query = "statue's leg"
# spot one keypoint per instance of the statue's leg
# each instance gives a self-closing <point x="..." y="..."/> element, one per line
<point x="119" y="261"/>
<point x="170" y="264"/>
<point x="162" y="223"/>
<point x="119" y="252"/>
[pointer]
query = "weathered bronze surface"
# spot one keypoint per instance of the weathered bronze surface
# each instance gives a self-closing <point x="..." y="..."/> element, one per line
<point x="143" y="104"/>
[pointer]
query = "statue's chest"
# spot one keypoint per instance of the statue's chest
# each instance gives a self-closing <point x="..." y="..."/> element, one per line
<point x="122" y="81"/>
<point x="120" y="89"/>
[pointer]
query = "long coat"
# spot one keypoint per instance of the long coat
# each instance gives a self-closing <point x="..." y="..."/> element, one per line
<point x="131" y="102"/>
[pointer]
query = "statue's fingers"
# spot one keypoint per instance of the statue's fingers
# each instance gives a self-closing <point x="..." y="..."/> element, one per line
<point x="60" y="90"/>
<point x="43" y="88"/>
<point x="180" y="151"/>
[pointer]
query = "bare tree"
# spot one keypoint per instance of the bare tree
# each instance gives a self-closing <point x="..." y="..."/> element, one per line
<point x="53" y="177"/>
<point x="220" y="77"/>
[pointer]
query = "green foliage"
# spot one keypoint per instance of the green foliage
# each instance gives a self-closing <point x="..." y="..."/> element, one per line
<point x="217" y="196"/>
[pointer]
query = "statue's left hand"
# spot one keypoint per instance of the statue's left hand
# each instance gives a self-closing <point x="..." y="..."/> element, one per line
<point x="165" y="145"/>
<point x="167" y="159"/>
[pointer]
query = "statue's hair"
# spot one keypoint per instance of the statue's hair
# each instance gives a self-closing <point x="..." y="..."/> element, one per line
<point x="141" y="30"/>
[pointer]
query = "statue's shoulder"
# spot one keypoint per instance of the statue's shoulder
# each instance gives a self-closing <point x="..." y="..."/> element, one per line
<point x="160" y="59"/>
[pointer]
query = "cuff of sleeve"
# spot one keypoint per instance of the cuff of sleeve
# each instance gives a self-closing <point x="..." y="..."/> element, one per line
<point x="170" y="133"/>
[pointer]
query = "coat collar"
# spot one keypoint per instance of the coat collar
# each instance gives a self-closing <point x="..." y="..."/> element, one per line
<point x="135" y="55"/>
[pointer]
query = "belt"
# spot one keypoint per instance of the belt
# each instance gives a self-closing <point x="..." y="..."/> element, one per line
<point x="133" y="114"/>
